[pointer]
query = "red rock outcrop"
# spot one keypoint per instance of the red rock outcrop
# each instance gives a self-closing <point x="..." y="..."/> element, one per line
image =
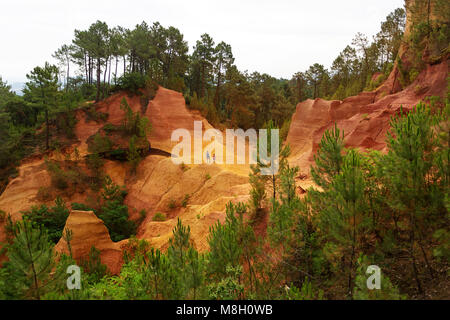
<point x="167" y="112"/>
<point x="363" y="118"/>
<point x="89" y="231"/>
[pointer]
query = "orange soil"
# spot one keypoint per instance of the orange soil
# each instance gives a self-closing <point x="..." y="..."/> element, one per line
<point x="158" y="181"/>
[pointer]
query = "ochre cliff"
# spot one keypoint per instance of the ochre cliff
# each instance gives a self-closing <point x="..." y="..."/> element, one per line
<point x="363" y="118"/>
<point x="157" y="182"/>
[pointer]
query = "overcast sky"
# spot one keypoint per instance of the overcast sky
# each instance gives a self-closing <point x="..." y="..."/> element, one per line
<point x="278" y="37"/>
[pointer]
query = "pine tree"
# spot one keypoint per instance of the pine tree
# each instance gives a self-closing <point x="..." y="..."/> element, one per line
<point x="204" y="58"/>
<point x="179" y="244"/>
<point x="416" y="198"/>
<point x="225" y="249"/>
<point x="42" y="92"/>
<point x="328" y="160"/>
<point x="258" y="184"/>
<point x="346" y="219"/>
<point x="133" y="155"/>
<point x="31" y="254"/>
<point x="195" y="270"/>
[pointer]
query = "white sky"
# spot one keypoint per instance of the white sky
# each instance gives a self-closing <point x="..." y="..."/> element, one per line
<point x="278" y="37"/>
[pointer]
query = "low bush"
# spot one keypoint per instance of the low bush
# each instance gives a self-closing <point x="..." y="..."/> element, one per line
<point x="66" y="176"/>
<point x="44" y="194"/>
<point x="185" y="200"/>
<point x="115" y="216"/>
<point x="93" y="266"/>
<point x="131" y="82"/>
<point x="51" y="219"/>
<point x="159" y="217"/>
<point x="172" y="204"/>
<point x="99" y="144"/>
<point x="93" y="115"/>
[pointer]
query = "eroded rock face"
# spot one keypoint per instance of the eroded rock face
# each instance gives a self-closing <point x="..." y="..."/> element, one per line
<point x="20" y="194"/>
<point x="167" y="112"/>
<point x="158" y="181"/>
<point x="364" y="118"/>
<point x="156" y="184"/>
<point x="89" y="231"/>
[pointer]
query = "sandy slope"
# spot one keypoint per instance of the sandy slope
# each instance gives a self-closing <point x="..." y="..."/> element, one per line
<point x="157" y="183"/>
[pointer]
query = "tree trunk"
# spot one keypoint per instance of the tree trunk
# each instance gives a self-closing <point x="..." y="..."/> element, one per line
<point x="115" y="74"/>
<point x="104" y="78"/>
<point x="411" y="253"/>
<point x="427" y="262"/>
<point x="67" y="79"/>
<point x="315" y="89"/>
<point x="350" y="277"/>
<point x="86" y="68"/>
<point x="202" y="88"/>
<point x="274" y="186"/>
<point x="98" y="80"/>
<point x="109" y="73"/>
<point x="35" y="280"/>
<point x="90" y="70"/>
<point x="217" y="95"/>
<point x="47" y="129"/>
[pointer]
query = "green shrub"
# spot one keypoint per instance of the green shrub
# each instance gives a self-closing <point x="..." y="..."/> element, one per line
<point x="159" y="217"/>
<point x="387" y="291"/>
<point x="80" y="206"/>
<point x="112" y="191"/>
<point x="172" y="204"/>
<point x="110" y="128"/>
<point x="413" y="73"/>
<point x="131" y="82"/>
<point x="285" y="129"/>
<point x="142" y="214"/>
<point x="375" y="84"/>
<point x="187" y="99"/>
<point x="151" y="87"/>
<point x="133" y="155"/>
<point x="93" y="115"/>
<point x="114" y="212"/>
<point x="93" y="266"/>
<point x="185" y="200"/>
<point x="51" y="219"/>
<point x="306" y="292"/>
<point x="184" y="167"/>
<point x="44" y="194"/>
<point x="115" y="216"/>
<point x="229" y="287"/>
<point x="99" y="144"/>
<point x="57" y="175"/>
<point x="95" y="164"/>
<point x="134" y="123"/>
<point x="65" y="123"/>
<point x="65" y="177"/>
